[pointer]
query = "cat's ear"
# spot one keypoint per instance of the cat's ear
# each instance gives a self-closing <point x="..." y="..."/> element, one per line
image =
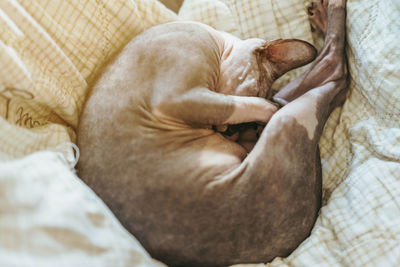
<point x="286" y="54"/>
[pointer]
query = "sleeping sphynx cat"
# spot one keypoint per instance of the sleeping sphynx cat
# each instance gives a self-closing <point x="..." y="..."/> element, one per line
<point x="190" y="195"/>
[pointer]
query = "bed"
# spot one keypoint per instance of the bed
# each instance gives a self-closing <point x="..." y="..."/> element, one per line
<point x="50" y="51"/>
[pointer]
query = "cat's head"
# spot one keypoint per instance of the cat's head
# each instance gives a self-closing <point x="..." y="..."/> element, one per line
<point x="249" y="67"/>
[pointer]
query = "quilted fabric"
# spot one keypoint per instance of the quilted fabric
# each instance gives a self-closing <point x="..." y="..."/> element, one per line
<point x="49" y="52"/>
<point x="360" y="222"/>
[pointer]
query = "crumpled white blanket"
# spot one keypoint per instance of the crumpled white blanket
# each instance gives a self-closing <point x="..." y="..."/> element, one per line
<point x="48" y="217"/>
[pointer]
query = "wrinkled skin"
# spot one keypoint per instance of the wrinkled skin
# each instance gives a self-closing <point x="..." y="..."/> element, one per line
<point x="191" y="196"/>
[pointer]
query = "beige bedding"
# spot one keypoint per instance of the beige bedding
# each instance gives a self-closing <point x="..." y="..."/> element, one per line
<point x="50" y="52"/>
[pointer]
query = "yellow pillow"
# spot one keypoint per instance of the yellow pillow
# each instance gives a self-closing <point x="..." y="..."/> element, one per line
<point x="50" y="51"/>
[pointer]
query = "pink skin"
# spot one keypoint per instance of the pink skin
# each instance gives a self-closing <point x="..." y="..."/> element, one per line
<point x="318" y="14"/>
<point x="329" y="66"/>
<point x="329" y="58"/>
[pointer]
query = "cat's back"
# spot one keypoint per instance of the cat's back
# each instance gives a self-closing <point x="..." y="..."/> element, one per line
<point x="142" y="165"/>
<point x="122" y="138"/>
<point x="158" y="64"/>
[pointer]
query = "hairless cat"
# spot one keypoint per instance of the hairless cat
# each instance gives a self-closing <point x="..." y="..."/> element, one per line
<point x="192" y="196"/>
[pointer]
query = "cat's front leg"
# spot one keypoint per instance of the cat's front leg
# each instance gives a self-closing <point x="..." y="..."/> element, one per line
<point x="201" y="106"/>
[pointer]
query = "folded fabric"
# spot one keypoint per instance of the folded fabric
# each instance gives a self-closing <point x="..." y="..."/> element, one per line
<point x="49" y="217"/>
